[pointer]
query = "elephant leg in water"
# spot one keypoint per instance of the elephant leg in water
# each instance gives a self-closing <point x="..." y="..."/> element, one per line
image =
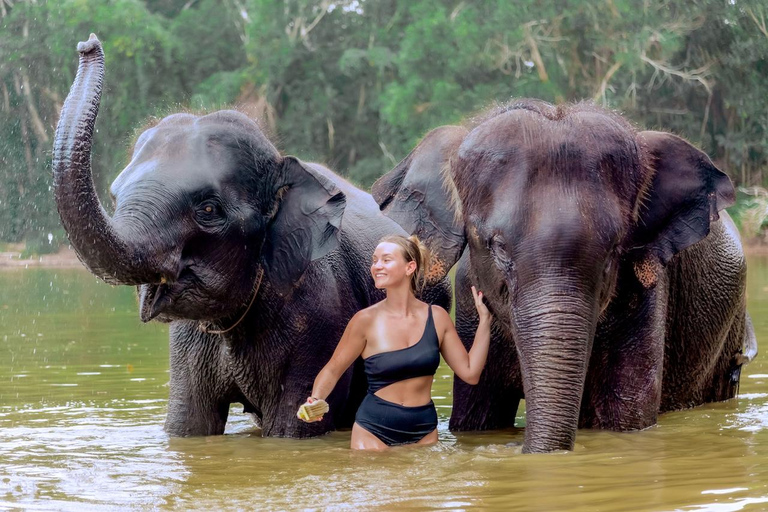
<point x="493" y="402"/>
<point x="201" y="386"/>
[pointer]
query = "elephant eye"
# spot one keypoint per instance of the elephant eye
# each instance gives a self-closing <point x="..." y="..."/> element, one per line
<point x="496" y="243"/>
<point x="209" y="213"/>
<point x="497" y="248"/>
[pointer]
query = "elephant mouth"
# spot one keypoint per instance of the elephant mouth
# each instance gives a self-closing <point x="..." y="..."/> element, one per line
<point x="153" y="300"/>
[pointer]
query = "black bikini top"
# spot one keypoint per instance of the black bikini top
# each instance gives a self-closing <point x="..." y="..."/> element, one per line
<point x="418" y="360"/>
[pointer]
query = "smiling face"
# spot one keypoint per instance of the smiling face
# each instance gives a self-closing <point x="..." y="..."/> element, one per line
<point x="389" y="268"/>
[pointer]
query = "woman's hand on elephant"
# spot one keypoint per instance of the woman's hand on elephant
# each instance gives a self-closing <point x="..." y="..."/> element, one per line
<point x="482" y="309"/>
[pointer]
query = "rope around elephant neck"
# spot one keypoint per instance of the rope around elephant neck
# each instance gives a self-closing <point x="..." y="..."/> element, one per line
<point x="206" y="330"/>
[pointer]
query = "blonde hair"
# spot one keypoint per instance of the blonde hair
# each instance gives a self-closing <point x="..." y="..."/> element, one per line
<point x="413" y="250"/>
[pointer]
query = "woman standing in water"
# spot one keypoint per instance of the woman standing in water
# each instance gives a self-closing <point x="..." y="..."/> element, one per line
<point x="398" y="408"/>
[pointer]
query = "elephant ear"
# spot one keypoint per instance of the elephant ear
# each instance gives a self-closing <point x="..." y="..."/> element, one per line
<point x="684" y="198"/>
<point x="419" y="194"/>
<point x="307" y="225"/>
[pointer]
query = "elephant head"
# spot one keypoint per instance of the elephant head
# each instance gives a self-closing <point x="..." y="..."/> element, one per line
<point x="554" y="203"/>
<point x="419" y="195"/>
<point x="205" y="205"/>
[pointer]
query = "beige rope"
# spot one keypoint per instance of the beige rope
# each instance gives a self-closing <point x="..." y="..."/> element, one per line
<point x="253" y="299"/>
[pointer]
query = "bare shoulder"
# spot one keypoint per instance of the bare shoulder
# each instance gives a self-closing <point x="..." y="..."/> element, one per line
<point x="439" y="311"/>
<point x="363" y="318"/>
<point x="441" y="317"/>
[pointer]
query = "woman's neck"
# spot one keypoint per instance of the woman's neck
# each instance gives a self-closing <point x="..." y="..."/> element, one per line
<point x="401" y="300"/>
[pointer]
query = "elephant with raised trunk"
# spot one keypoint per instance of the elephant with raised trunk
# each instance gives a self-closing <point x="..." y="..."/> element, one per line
<point x="615" y="278"/>
<point x="257" y="260"/>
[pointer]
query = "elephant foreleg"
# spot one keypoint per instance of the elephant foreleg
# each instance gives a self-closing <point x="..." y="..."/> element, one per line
<point x="198" y="402"/>
<point x="623" y="386"/>
<point x="293" y="387"/>
<point x="492" y="403"/>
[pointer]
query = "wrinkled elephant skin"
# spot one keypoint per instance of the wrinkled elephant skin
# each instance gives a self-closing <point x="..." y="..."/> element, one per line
<point x="616" y="280"/>
<point x="258" y="260"/>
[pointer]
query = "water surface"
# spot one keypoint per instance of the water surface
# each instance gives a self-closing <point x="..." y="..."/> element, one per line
<point x="83" y="395"/>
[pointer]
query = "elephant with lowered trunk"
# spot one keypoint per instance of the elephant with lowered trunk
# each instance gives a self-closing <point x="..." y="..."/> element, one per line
<point x="616" y="281"/>
<point x="257" y="260"/>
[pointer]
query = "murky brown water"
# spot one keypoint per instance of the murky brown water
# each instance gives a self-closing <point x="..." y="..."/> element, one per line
<point x="83" y="397"/>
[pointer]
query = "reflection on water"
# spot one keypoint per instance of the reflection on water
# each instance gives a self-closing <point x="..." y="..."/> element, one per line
<point x="83" y="398"/>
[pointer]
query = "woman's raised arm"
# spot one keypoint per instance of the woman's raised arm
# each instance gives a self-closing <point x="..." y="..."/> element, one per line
<point x="467" y="365"/>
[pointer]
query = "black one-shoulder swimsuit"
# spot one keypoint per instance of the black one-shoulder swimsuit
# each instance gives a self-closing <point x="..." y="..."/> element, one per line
<point x="393" y="423"/>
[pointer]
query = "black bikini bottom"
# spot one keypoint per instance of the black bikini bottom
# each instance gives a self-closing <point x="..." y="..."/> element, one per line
<point x="396" y="424"/>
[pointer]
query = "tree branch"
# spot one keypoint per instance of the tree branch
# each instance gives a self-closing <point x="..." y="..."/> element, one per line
<point x="37" y="123"/>
<point x="305" y="30"/>
<point x="387" y="153"/>
<point x="535" y="55"/>
<point x="706" y="116"/>
<point x="3" y="10"/>
<point x="601" y="90"/>
<point x="760" y="23"/>
<point x="27" y="153"/>
<point x="695" y="75"/>
<point x="331" y="133"/>
<point x="6" y="97"/>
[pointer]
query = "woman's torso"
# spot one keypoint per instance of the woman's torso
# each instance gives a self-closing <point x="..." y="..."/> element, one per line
<point x="399" y="347"/>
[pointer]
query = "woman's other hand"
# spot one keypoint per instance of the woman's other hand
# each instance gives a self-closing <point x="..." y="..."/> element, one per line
<point x="482" y="309"/>
<point x="313" y="420"/>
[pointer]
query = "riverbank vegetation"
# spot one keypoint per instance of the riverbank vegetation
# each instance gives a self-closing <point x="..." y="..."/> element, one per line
<point x="356" y="83"/>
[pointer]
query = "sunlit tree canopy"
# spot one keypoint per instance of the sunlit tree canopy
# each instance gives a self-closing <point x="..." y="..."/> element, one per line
<point x="356" y="83"/>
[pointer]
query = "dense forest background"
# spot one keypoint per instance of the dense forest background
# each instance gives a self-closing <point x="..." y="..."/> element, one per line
<point x="356" y="83"/>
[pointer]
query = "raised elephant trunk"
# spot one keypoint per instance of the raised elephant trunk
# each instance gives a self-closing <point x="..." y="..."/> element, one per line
<point x="91" y="231"/>
<point x="554" y="343"/>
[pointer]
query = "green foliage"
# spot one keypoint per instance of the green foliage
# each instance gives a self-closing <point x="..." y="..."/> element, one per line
<point x="750" y="213"/>
<point x="356" y="83"/>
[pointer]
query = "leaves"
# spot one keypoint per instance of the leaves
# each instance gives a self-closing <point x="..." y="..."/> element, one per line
<point x="356" y="83"/>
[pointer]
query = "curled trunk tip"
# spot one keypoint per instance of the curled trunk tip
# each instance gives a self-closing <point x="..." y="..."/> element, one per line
<point x="90" y="45"/>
